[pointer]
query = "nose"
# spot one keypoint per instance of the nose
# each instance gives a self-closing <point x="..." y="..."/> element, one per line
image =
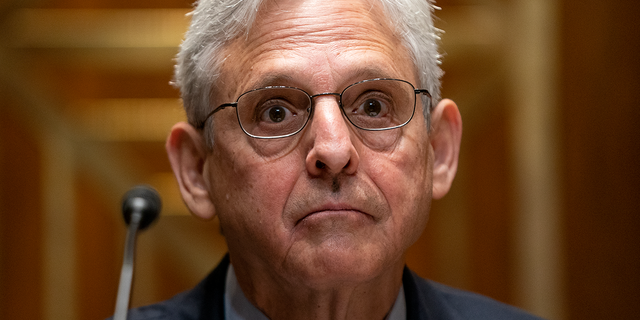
<point x="332" y="150"/>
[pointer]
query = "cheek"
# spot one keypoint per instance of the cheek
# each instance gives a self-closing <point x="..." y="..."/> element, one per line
<point x="249" y="192"/>
<point x="246" y="172"/>
<point x="403" y="170"/>
<point x="403" y="175"/>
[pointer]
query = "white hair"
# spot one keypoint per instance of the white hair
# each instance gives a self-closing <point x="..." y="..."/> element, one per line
<point x="215" y="23"/>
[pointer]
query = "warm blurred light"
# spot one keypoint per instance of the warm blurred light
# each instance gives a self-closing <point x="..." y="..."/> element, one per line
<point x="128" y="119"/>
<point x="93" y="28"/>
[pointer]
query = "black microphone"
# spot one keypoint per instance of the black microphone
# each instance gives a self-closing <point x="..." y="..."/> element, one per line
<point x="140" y="207"/>
<point x="142" y="200"/>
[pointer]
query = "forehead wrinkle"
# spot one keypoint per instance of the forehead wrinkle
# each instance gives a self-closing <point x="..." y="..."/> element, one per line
<point x="279" y="33"/>
<point x="307" y="27"/>
<point x="297" y="23"/>
<point x="285" y="78"/>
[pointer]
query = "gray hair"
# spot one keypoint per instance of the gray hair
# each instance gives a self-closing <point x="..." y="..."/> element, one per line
<point x="215" y="23"/>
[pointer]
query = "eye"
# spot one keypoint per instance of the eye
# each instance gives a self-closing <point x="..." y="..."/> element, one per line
<point x="372" y="107"/>
<point x="277" y="114"/>
<point x="275" y="111"/>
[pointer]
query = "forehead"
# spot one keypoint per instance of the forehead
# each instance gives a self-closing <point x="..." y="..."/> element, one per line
<point x="316" y="45"/>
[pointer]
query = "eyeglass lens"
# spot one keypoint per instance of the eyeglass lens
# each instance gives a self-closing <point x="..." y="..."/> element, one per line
<point x="370" y="105"/>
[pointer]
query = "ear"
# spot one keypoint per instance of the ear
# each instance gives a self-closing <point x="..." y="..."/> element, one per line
<point x="445" y="141"/>
<point x="187" y="154"/>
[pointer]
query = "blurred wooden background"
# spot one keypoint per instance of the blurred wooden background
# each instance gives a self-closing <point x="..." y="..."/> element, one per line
<point x="544" y="213"/>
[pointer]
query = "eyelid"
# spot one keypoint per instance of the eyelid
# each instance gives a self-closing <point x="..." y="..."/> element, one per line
<point x="264" y="106"/>
<point x="378" y="95"/>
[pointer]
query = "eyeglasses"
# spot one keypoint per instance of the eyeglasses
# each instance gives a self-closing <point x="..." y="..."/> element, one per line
<point x="281" y="111"/>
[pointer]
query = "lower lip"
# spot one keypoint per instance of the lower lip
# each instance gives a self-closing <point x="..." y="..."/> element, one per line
<point x="335" y="218"/>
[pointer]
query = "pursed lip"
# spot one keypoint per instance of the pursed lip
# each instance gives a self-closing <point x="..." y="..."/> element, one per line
<point x="333" y="208"/>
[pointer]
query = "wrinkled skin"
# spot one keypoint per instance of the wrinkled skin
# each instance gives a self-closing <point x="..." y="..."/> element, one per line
<point x="317" y="224"/>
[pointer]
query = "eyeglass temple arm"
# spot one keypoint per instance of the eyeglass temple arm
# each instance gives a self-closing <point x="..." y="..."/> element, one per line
<point x="426" y="93"/>
<point x="200" y="125"/>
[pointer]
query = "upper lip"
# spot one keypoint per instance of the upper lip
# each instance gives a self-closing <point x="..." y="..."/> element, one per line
<point x="331" y="207"/>
<point x="355" y="195"/>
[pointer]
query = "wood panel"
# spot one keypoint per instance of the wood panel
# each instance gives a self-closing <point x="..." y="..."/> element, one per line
<point x="21" y="228"/>
<point x="469" y="242"/>
<point x="601" y="114"/>
<point x="100" y="240"/>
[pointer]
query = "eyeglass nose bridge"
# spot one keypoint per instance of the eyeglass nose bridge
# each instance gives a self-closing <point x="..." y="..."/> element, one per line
<point x="339" y="95"/>
<point x="313" y="108"/>
<point x="312" y="104"/>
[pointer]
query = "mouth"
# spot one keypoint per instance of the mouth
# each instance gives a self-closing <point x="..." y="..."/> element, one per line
<point x="334" y="213"/>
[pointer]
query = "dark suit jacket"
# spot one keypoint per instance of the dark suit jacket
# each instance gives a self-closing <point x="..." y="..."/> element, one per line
<point x="424" y="299"/>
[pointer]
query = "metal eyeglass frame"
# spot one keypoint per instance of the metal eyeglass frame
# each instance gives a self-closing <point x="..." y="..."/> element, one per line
<point x="311" y="108"/>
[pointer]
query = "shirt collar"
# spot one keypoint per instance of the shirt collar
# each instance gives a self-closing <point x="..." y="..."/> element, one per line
<point x="238" y="307"/>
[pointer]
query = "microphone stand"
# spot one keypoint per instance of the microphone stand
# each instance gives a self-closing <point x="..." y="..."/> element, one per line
<point x="126" y="274"/>
<point x="140" y="207"/>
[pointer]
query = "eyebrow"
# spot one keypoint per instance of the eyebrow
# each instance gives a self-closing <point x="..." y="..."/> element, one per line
<point x="285" y="79"/>
<point x="372" y="72"/>
<point x="273" y="79"/>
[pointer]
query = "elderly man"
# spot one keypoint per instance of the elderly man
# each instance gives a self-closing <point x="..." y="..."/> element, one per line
<point x="317" y="136"/>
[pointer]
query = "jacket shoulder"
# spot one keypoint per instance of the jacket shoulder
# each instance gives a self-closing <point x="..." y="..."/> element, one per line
<point x="431" y="300"/>
<point x="204" y="301"/>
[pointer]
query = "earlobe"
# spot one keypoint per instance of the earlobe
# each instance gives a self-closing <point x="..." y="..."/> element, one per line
<point x="187" y="154"/>
<point x="446" y="134"/>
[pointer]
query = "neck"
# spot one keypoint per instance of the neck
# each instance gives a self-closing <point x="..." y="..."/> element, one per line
<point x="281" y="299"/>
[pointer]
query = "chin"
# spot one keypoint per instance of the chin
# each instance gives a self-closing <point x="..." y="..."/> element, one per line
<point x="337" y="262"/>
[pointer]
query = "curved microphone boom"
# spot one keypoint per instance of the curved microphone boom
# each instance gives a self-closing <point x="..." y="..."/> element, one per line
<point x="140" y="207"/>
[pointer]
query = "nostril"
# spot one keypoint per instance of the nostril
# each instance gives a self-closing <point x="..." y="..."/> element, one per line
<point x="347" y="165"/>
<point x="319" y="164"/>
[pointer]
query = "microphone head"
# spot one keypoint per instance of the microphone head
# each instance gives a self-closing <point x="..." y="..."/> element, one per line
<point x="142" y="199"/>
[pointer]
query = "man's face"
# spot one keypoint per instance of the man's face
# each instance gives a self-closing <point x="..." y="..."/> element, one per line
<point x="329" y="204"/>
